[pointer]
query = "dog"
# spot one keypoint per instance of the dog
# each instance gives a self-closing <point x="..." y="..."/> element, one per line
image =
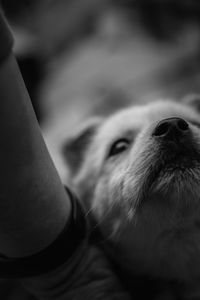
<point x="138" y="174"/>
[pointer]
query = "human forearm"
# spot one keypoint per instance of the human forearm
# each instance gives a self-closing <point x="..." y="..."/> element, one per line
<point x="34" y="207"/>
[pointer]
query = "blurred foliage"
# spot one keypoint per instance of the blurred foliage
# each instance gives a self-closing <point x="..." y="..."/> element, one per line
<point x="57" y="24"/>
<point x="14" y="8"/>
<point x="162" y="18"/>
<point x="61" y="27"/>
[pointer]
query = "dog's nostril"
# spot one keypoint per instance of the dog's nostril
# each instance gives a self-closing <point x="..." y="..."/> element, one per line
<point x="171" y="127"/>
<point x="161" y="129"/>
<point x="182" y="125"/>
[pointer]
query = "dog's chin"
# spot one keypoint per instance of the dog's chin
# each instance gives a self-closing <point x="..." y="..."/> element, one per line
<point x="177" y="178"/>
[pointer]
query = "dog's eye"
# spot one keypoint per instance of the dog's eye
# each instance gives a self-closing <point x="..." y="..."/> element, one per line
<point x="118" y="147"/>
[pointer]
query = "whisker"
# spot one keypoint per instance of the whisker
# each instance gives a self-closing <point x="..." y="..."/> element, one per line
<point x="89" y="212"/>
<point x="102" y="219"/>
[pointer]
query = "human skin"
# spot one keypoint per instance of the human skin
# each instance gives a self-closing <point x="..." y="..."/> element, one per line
<point x="34" y="206"/>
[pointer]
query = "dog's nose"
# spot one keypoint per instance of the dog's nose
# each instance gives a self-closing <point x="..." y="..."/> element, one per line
<point x="171" y="128"/>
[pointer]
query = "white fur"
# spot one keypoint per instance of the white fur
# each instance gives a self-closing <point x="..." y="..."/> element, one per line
<point x="155" y="230"/>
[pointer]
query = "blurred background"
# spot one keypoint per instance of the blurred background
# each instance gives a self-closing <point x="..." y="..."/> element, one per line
<point x="88" y="57"/>
<point x="81" y="58"/>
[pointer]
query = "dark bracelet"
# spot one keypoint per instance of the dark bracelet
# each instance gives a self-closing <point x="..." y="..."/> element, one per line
<point x="6" y="38"/>
<point x="56" y="254"/>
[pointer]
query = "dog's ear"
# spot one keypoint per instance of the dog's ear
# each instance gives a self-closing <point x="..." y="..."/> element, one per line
<point x="193" y="100"/>
<point x="76" y="145"/>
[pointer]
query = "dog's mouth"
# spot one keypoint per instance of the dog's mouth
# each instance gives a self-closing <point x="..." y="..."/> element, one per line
<point x="174" y="163"/>
<point x="172" y="183"/>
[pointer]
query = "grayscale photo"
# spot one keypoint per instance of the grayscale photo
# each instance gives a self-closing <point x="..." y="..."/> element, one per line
<point x="100" y="150"/>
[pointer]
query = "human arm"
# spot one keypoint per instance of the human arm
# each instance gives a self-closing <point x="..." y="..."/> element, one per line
<point x="35" y="209"/>
<point x="30" y="185"/>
